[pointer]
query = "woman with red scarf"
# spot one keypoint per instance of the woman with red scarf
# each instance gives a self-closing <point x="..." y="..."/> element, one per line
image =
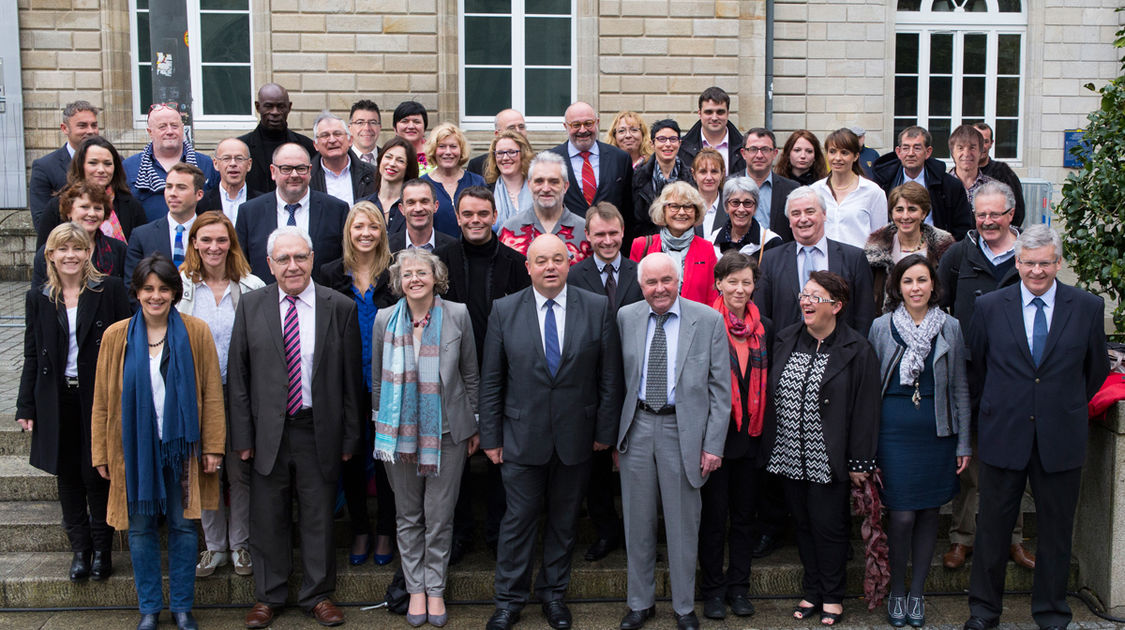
<point x="729" y="492"/>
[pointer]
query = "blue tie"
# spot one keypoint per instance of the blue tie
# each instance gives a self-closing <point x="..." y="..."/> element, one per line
<point x="809" y="264"/>
<point x="551" y="336"/>
<point x="1038" y="331"/>
<point x="292" y="209"/>
<point x="178" y="247"/>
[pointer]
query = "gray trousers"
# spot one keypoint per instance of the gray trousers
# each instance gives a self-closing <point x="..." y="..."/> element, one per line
<point x="425" y="517"/>
<point x="652" y="470"/>
<point x="217" y="529"/>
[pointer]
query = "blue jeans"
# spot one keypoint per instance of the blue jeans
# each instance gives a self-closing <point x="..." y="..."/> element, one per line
<point x="144" y="547"/>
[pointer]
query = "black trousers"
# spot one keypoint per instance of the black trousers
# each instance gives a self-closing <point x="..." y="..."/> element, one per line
<point x="1056" y="499"/>
<point x="729" y="492"/>
<point x="822" y="536"/>
<point x="771" y="513"/>
<point x="464" y="521"/>
<point x="353" y="477"/>
<point x="600" y="495"/>
<point x="83" y="493"/>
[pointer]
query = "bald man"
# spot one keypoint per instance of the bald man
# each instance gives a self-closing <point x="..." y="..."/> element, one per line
<point x="550" y="396"/>
<point x="273" y="130"/>
<point x="146" y="171"/>
<point x="232" y="158"/>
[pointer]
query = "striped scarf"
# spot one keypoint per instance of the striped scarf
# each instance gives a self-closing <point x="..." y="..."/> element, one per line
<point x="409" y="422"/>
<point x="147" y="176"/>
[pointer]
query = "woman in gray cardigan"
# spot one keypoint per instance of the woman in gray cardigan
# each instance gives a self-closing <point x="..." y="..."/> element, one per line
<point x="924" y="436"/>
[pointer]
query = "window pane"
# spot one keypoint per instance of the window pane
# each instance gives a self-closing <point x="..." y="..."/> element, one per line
<point x="943" y="5"/>
<point x="224" y="5"/>
<point x="1008" y="55"/>
<point x="1008" y="96"/>
<point x="909" y="5"/>
<point x="939" y="129"/>
<point x="144" y="84"/>
<point x="972" y="97"/>
<point x="144" y="48"/>
<point x="941" y="96"/>
<point x="975" y="53"/>
<point x="490" y="91"/>
<point x="906" y="53"/>
<point x="906" y="96"/>
<point x="1007" y="137"/>
<point x="488" y="41"/>
<point x="548" y="91"/>
<point x="903" y="123"/>
<point x="547" y="41"/>
<point x="1010" y="6"/>
<point x="142" y="5"/>
<point x="227" y="91"/>
<point x="225" y="37"/>
<point x="976" y="6"/>
<point x="941" y="53"/>
<point x="488" y="6"/>
<point x="547" y="7"/>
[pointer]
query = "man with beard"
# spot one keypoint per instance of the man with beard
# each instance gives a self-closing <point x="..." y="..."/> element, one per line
<point x="548" y="214"/>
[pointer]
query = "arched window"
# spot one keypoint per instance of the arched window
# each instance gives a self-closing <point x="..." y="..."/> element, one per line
<point x="961" y="61"/>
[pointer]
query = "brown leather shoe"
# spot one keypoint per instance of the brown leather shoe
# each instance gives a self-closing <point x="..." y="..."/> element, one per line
<point x="955" y="557"/>
<point x="326" y="613"/>
<point x="1022" y="556"/>
<point x="260" y="616"/>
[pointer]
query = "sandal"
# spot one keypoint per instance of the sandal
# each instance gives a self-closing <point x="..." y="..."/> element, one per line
<point x="801" y="613"/>
<point x="830" y="619"/>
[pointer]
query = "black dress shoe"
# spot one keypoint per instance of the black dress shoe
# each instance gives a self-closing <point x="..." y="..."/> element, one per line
<point x="687" y="622"/>
<point x="766" y="545"/>
<point x="457" y="551"/>
<point x="80" y="566"/>
<point x="740" y="605"/>
<point x="102" y="565"/>
<point x="557" y="614"/>
<point x="184" y="621"/>
<point x="601" y="549"/>
<point x="980" y="623"/>
<point x="148" y="622"/>
<point x="714" y="608"/>
<point x="635" y="619"/>
<point x="503" y="619"/>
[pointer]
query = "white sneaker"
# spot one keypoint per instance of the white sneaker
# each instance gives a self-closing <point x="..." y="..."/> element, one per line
<point x="209" y="561"/>
<point x="242" y="563"/>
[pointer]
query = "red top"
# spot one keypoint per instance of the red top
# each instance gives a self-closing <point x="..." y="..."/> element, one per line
<point x="698" y="284"/>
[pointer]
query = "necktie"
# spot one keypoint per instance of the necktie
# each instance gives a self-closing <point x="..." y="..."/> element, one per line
<point x="809" y="264"/>
<point x="291" y="336"/>
<point x="178" y="247"/>
<point x="292" y="208"/>
<point x="656" y="379"/>
<point x="610" y="286"/>
<point x="1038" y="331"/>
<point x="551" y="338"/>
<point x="367" y="157"/>
<point x="589" y="183"/>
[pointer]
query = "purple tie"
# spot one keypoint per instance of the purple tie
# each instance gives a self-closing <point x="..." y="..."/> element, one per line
<point x="291" y="334"/>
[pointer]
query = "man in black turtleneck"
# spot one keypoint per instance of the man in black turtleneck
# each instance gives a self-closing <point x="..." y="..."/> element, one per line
<point x="272" y="131"/>
<point x="481" y="270"/>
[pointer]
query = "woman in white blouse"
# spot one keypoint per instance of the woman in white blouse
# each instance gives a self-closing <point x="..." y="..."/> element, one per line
<point x="856" y="205"/>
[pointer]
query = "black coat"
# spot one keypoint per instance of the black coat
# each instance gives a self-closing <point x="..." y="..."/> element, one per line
<point x="1000" y="171"/>
<point x="692" y="143"/>
<point x="130" y="213"/>
<point x="508" y="275"/>
<point x="949" y="205"/>
<point x="257" y="219"/>
<point x="332" y="275"/>
<point x="108" y="257"/>
<point x="645" y="192"/>
<point x="213" y="201"/>
<point x="615" y="184"/>
<point x="259" y="176"/>
<point x="48" y="176"/>
<point x="965" y="274"/>
<point x="585" y="275"/>
<point x="44" y="362"/>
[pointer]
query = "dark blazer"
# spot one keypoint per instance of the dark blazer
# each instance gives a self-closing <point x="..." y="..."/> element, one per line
<point x="533" y="415"/>
<point x="507" y="275"/>
<point x="257" y="379"/>
<point x="108" y="257"/>
<point x="776" y="293"/>
<point x="332" y="275"/>
<point x="362" y="174"/>
<point x="692" y="144"/>
<point x="213" y="201"/>
<point x="149" y="238"/>
<point x="48" y="176"/>
<point x="130" y="213"/>
<point x="397" y="240"/>
<point x="257" y="219"/>
<point x="259" y="176"/>
<point x="615" y="184"/>
<point x="1053" y="396"/>
<point x="477" y="164"/>
<point x="45" y="345"/>
<point x="585" y="275"/>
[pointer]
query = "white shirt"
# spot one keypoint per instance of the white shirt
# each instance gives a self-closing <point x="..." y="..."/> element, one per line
<point x="560" y="316"/>
<point x="306" y="320"/>
<point x="72" y="343"/>
<point x="722" y="147"/>
<point x="172" y="232"/>
<point x="70" y="150"/>
<point x="231" y="204"/>
<point x="709" y="219"/>
<point x="339" y="186"/>
<point x="302" y="214"/>
<point x="219" y="319"/>
<point x="157" y="380"/>
<point x="672" y="343"/>
<point x="1029" y="309"/>
<point x="862" y="211"/>
<point x="576" y="162"/>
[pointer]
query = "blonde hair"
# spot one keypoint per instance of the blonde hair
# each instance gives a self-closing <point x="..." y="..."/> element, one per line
<point x="236" y="267"/>
<point x="382" y="248"/>
<point x="441" y="132"/>
<point x="64" y="234"/>
<point x="611" y="133"/>
<point x="680" y="190"/>
<point x="492" y="171"/>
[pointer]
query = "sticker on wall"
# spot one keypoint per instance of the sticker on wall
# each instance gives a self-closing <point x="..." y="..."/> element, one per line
<point x="164" y="66"/>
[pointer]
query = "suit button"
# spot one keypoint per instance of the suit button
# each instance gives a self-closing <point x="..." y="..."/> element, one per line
<point x="44" y="370"/>
<point x="44" y="352"/>
<point x="98" y="323"/>
<point x="826" y="401"/>
<point x="1036" y="381"/>
<point x="1032" y="418"/>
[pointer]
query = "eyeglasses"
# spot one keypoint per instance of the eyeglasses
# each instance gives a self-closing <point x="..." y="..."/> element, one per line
<point x="579" y="124"/>
<point x="745" y="203"/>
<point x="510" y="153"/>
<point x="420" y="274"/>
<point x="331" y="134"/>
<point x="756" y="150"/>
<point x="237" y="159"/>
<point x="679" y="207"/>
<point x="912" y="148"/>
<point x="666" y="139"/>
<point x="367" y="123"/>
<point x="287" y="169"/>
<point x="1038" y="264"/>
<point x="285" y="259"/>
<point x="172" y="105"/>
<point x="621" y="130"/>
<point x="991" y="216"/>
<point x="816" y="299"/>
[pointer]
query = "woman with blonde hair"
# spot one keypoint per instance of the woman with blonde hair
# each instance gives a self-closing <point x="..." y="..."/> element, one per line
<point x="630" y="134"/>
<point x="505" y="170"/>
<point x="448" y="151"/>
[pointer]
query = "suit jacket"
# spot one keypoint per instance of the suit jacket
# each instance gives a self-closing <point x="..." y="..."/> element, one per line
<point x="212" y="199"/>
<point x="48" y="176"/>
<point x="702" y="385"/>
<point x="615" y="183"/>
<point x="1052" y="395"/>
<point x="259" y="176"/>
<point x="257" y="219"/>
<point x="532" y="414"/>
<point x="362" y="174"/>
<point x="776" y="293"/>
<point x="45" y="346"/>
<point x="149" y="238"/>
<point x="950" y="208"/>
<point x="585" y="275"/>
<point x="258" y="381"/>
<point x="458" y="370"/>
<point x="397" y="240"/>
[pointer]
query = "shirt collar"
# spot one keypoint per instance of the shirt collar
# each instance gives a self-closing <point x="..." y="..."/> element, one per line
<point x="540" y="300"/>
<point x="346" y="172"/>
<point x="307" y="296"/>
<point x="432" y="242"/>
<point x="172" y="223"/>
<point x="722" y="145"/>
<point x="70" y="150"/>
<point x="616" y="262"/>
<point x="304" y="202"/>
<point x="573" y="151"/>
<point x="240" y="196"/>
<point x="821" y="246"/>
<point x="1048" y="297"/>
<point x="675" y="310"/>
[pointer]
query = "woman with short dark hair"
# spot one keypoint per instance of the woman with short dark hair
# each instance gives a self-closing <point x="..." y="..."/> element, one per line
<point x="658" y="170"/>
<point x="397" y="164"/>
<point x="410" y="123"/>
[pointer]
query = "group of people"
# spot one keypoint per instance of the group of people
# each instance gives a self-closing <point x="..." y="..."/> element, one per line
<point x="763" y="344"/>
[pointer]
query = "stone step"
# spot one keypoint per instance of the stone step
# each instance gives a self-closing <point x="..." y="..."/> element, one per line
<point x="13" y="441"/>
<point x="20" y="481"/>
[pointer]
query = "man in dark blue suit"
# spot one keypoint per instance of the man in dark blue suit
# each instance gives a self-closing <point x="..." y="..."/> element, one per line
<point x="48" y="173"/>
<point x="183" y="188"/>
<point x="1038" y="356"/>
<point x="319" y="215"/>
<point x="597" y="171"/>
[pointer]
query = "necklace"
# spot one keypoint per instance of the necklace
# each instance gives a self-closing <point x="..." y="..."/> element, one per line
<point x="157" y="344"/>
<point x="909" y="250"/>
<point x="421" y="323"/>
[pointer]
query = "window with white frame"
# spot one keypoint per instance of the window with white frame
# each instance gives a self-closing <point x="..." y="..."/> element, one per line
<point x="961" y="62"/>
<point x="519" y="54"/>
<point x="219" y="37"/>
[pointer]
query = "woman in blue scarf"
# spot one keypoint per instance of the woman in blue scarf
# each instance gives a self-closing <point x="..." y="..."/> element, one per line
<point x="158" y="433"/>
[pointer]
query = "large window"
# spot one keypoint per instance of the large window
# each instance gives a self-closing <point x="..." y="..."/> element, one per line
<point x="960" y="62"/>
<point x="518" y="54"/>
<point x="219" y="48"/>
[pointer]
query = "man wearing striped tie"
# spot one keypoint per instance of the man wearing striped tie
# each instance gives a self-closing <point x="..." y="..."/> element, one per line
<point x="183" y="188"/>
<point x="296" y="410"/>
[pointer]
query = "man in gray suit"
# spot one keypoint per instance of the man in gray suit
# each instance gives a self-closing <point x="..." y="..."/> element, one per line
<point x="549" y="397"/>
<point x="673" y="429"/>
<point x="296" y="408"/>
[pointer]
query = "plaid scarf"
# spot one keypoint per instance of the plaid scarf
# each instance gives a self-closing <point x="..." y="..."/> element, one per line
<point x="748" y="362"/>
<point x="147" y="176"/>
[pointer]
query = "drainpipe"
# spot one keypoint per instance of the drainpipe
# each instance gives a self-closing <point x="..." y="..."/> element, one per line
<point x="768" y="117"/>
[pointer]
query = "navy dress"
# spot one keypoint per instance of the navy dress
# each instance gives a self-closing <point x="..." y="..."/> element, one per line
<point x="919" y="468"/>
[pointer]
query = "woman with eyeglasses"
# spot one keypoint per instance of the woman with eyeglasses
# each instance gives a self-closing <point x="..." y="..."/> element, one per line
<point x="856" y="205"/>
<point x="397" y="163"/>
<point x="630" y="134"/>
<point x="505" y="170"/>
<point x="661" y="168"/>
<point x="677" y="211"/>
<point x="822" y="431"/>
<point x="801" y="159"/>
<point x="448" y="150"/>
<point x="742" y="232"/>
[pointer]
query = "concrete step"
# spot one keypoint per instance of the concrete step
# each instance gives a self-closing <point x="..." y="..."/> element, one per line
<point x="13" y="441"/>
<point x="20" y="481"/>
